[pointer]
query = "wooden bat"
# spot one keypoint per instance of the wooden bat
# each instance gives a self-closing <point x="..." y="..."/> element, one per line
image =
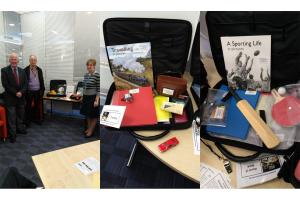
<point x="261" y="128"/>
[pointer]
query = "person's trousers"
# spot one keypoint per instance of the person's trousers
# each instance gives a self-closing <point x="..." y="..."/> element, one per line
<point x="15" y="118"/>
<point x="12" y="179"/>
<point x="31" y="113"/>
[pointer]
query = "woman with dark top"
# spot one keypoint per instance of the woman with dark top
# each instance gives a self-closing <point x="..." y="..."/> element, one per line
<point x="91" y="96"/>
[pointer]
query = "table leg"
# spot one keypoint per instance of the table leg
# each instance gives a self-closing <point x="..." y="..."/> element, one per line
<point x="51" y="107"/>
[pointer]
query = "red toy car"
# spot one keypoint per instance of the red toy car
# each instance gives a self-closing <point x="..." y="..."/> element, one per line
<point x="168" y="144"/>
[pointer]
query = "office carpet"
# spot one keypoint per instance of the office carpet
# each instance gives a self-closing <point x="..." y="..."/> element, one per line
<point x="55" y="133"/>
<point x="146" y="171"/>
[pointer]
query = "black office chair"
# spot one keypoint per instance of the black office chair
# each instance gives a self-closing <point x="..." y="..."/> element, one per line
<point x="2" y="99"/>
<point x="78" y="87"/>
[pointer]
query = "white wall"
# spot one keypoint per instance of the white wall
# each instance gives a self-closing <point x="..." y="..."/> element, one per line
<point x="50" y="36"/>
<point x="33" y="37"/>
<point x="205" y="50"/>
<point x="10" y="40"/>
<point x="62" y="41"/>
<point x="59" y="45"/>
<point x="105" y="74"/>
<point x="13" y="39"/>
<point x="87" y="41"/>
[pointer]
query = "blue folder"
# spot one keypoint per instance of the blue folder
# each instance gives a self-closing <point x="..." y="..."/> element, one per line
<point x="237" y="125"/>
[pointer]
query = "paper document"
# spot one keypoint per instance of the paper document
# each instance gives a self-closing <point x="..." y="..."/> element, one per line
<point x="88" y="166"/>
<point x="211" y="178"/>
<point x="70" y="89"/>
<point x="112" y="115"/>
<point x="196" y="138"/>
<point x="260" y="170"/>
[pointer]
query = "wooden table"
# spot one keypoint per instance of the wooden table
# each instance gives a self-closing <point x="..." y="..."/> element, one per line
<point x="180" y="158"/>
<point x="66" y="99"/>
<point x="210" y="159"/>
<point x="207" y="156"/>
<point x="57" y="169"/>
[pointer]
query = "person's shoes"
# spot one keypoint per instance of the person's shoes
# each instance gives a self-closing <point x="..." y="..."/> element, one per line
<point x="88" y="136"/>
<point x="22" y="132"/>
<point x="84" y="132"/>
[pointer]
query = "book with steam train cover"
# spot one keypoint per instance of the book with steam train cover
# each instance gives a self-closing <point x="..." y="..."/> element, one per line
<point x="131" y="65"/>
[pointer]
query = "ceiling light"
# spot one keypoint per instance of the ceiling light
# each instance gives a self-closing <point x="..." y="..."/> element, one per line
<point x="11" y="24"/>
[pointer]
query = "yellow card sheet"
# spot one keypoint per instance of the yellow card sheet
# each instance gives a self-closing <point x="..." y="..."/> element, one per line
<point x="161" y="115"/>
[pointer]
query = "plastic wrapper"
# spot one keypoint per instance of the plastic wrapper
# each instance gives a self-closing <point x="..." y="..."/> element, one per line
<point x="286" y="109"/>
<point x="287" y="135"/>
<point x="214" y="111"/>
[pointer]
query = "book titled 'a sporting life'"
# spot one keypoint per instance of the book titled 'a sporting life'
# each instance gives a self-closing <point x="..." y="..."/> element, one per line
<point x="247" y="61"/>
<point x="131" y="65"/>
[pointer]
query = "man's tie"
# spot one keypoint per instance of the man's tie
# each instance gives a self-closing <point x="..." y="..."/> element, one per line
<point x="16" y="76"/>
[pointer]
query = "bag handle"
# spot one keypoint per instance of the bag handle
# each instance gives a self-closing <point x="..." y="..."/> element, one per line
<point x="229" y="155"/>
<point x="233" y="157"/>
<point x="150" y="138"/>
<point x="158" y="136"/>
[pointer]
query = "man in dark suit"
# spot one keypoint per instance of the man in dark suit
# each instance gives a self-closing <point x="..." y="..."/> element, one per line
<point x="14" y="82"/>
<point x="35" y="91"/>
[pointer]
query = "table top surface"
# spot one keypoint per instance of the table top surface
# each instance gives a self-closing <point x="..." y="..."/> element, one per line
<point x="67" y="98"/>
<point x="210" y="159"/>
<point x="180" y="158"/>
<point x="207" y="156"/>
<point x="57" y="169"/>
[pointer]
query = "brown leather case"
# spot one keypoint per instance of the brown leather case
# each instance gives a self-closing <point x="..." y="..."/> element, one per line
<point x="171" y="86"/>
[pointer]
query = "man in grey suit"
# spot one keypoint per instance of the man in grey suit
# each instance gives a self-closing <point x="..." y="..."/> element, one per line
<point x="14" y="82"/>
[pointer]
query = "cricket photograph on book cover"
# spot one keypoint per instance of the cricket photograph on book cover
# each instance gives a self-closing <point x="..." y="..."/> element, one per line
<point x="131" y="65"/>
<point x="248" y="61"/>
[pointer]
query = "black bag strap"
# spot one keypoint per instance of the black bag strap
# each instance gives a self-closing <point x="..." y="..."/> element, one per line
<point x="150" y="138"/>
<point x="288" y="168"/>
<point x="236" y="158"/>
<point x="196" y="65"/>
<point x="158" y="136"/>
<point x="197" y="69"/>
<point x="229" y="155"/>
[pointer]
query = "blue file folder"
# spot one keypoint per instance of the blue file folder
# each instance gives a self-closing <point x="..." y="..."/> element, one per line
<point x="237" y="125"/>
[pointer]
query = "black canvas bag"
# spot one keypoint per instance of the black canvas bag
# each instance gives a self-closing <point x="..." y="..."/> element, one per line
<point x="197" y="69"/>
<point x="287" y="171"/>
<point x="170" y="43"/>
<point x="284" y="28"/>
<point x="198" y="72"/>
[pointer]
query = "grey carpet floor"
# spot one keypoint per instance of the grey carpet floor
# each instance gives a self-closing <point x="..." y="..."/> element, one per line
<point x="55" y="133"/>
